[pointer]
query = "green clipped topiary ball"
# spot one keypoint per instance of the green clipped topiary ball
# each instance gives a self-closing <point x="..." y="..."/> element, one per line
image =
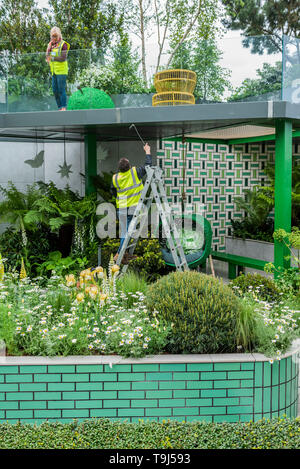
<point x="203" y="310"/>
<point x="90" y="98"/>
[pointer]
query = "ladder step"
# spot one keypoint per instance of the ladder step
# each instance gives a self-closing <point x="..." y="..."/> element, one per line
<point x="158" y="195"/>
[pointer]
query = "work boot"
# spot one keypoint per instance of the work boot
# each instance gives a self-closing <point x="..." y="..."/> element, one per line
<point x="130" y="257"/>
<point x="125" y="259"/>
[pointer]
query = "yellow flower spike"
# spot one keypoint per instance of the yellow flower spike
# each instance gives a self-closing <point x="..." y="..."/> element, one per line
<point x="22" y="271"/>
<point x="103" y="296"/>
<point x="1" y="269"/>
<point x="80" y="297"/>
<point x="115" y="268"/>
<point x="70" y="279"/>
<point x="93" y="291"/>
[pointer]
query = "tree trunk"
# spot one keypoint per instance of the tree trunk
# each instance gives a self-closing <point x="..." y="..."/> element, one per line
<point x="142" y="30"/>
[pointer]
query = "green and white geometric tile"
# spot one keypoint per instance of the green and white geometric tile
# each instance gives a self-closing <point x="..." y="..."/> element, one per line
<point x="213" y="174"/>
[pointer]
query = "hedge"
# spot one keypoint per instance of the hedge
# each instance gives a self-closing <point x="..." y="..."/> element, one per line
<point x="282" y="433"/>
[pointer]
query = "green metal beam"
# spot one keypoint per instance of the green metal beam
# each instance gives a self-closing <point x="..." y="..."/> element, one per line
<point x="90" y="156"/>
<point x="198" y="140"/>
<point x="283" y="187"/>
<point x="262" y="138"/>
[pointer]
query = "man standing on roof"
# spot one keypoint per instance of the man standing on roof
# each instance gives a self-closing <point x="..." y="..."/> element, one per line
<point x="127" y="186"/>
<point x="56" y="56"/>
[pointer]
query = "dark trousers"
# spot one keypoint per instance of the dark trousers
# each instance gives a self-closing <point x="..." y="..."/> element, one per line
<point x="59" y="90"/>
<point x="125" y="216"/>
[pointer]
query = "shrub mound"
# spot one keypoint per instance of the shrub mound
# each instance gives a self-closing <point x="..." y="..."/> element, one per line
<point x="264" y="287"/>
<point x="204" y="312"/>
<point x="282" y="433"/>
<point x="90" y="98"/>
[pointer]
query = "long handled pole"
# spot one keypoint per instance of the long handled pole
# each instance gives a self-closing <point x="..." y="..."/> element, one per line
<point x="133" y="126"/>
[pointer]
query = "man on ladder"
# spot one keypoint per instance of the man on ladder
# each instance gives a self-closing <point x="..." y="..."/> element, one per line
<point x="127" y="186"/>
<point x="133" y="202"/>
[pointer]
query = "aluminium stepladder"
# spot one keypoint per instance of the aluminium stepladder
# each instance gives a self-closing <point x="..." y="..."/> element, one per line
<point x="154" y="182"/>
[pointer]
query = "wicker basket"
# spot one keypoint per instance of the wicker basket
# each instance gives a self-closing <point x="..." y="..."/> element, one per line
<point x="172" y="99"/>
<point x="175" y="80"/>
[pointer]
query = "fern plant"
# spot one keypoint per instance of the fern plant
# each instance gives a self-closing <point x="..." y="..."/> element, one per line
<point x="268" y="193"/>
<point x="256" y="224"/>
<point x="256" y="207"/>
<point x="65" y="208"/>
<point x="16" y="206"/>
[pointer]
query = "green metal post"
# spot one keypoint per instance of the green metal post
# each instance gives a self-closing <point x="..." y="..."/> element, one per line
<point x="231" y="271"/>
<point x="90" y="154"/>
<point x="283" y="187"/>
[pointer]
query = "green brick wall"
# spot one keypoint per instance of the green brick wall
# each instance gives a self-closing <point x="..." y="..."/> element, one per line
<point x="214" y="175"/>
<point x="214" y="392"/>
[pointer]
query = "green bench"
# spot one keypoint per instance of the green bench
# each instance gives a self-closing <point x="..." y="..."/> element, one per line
<point x="236" y="263"/>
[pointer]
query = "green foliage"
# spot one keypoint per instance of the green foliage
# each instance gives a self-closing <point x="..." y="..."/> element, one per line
<point x="256" y="207"/>
<point x="120" y="73"/>
<point x="61" y="265"/>
<point x="277" y="325"/>
<point x="202" y="56"/>
<point x="70" y="316"/>
<point x="204" y="312"/>
<point x="269" y="319"/>
<point x="266" y="21"/>
<point x="278" y="433"/>
<point x="269" y="81"/>
<point x="246" y="327"/>
<point x="23" y="26"/>
<point x="48" y="219"/>
<point x="255" y="224"/>
<point x="62" y="209"/>
<point x="288" y="279"/>
<point x="149" y="262"/>
<point x="244" y="229"/>
<point x="132" y="283"/>
<point x="268" y="192"/>
<point x="39" y="244"/>
<point x="89" y="98"/>
<point x="102" y="183"/>
<point x="87" y="26"/>
<point x="265" y="288"/>
<point x="17" y="204"/>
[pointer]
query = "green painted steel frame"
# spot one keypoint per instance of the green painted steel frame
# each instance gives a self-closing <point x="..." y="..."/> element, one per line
<point x="283" y="187"/>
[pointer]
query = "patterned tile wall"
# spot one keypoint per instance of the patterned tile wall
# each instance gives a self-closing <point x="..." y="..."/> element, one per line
<point x="212" y="391"/>
<point x="211" y="175"/>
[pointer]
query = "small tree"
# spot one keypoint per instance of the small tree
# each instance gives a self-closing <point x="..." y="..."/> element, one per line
<point x="119" y="75"/>
<point x="202" y="56"/>
<point x="269" y="81"/>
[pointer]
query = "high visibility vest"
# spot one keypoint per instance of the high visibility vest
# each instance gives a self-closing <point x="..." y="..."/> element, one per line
<point x="59" y="68"/>
<point x="129" y="188"/>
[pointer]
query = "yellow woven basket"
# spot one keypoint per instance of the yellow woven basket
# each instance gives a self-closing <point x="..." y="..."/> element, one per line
<point x="172" y="99"/>
<point x="175" y="80"/>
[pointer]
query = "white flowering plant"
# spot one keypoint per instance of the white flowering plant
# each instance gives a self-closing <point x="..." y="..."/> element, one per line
<point x="274" y="324"/>
<point x="81" y="316"/>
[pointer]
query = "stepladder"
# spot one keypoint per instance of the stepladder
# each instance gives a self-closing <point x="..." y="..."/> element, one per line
<point x="153" y="195"/>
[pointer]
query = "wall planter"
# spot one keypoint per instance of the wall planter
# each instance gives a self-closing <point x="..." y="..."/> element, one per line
<point x="213" y="388"/>
<point x="251" y="248"/>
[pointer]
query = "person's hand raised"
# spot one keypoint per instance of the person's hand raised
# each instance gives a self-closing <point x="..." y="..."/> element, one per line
<point x="147" y="149"/>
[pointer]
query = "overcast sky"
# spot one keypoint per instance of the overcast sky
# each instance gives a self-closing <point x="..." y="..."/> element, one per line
<point x="236" y="58"/>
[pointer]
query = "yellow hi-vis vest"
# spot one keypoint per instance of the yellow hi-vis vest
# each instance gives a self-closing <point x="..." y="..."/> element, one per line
<point x="59" y="68"/>
<point x="129" y="188"/>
